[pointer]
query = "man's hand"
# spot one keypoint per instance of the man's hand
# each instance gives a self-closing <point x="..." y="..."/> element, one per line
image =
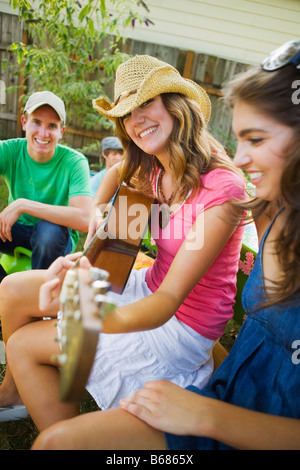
<point x="8" y="217"/>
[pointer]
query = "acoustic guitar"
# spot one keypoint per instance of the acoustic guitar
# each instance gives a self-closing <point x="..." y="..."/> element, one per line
<point x="84" y="300"/>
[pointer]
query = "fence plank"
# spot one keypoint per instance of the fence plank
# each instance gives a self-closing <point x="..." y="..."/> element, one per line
<point x="10" y="31"/>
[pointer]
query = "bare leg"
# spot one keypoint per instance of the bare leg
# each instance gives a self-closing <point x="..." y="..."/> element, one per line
<point x="29" y="351"/>
<point x="19" y="294"/>
<point x="113" y="429"/>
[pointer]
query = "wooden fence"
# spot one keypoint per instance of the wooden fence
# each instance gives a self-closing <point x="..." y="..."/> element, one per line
<point x="209" y="71"/>
<point x="10" y="31"/>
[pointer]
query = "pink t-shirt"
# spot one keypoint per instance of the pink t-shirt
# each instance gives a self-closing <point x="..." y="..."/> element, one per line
<point x="209" y="305"/>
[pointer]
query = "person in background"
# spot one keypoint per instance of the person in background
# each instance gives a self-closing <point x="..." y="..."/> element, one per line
<point x="49" y="185"/>
<point x="112" y="153"/>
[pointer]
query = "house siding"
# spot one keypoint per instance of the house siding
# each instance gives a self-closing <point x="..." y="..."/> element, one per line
<point x="241" y="30"/>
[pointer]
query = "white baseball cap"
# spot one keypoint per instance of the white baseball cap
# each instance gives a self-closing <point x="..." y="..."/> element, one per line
<point x="41" y="98"/>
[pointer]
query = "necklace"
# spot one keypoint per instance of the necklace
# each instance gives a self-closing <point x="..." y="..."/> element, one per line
<point x="164" y="212"/>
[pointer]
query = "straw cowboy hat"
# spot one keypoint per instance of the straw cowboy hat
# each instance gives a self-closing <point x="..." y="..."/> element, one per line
<point x="143" y="77"/>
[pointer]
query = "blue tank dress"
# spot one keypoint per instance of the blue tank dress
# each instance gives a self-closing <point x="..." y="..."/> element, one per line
<point x="262" y="371"/>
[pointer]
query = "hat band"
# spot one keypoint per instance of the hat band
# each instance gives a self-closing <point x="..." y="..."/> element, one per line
<point x="123" y="95"/>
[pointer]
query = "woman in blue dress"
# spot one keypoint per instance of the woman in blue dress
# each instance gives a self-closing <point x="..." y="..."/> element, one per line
<point x="252" y="401"/>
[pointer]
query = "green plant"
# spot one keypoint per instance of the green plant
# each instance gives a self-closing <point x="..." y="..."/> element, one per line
<point x="229" y="144"/>
<point x="73" y="49"/>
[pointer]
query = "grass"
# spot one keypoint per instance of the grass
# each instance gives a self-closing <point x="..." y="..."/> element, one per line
<point x="3" y="194"/>
<point x="20" y="435"/>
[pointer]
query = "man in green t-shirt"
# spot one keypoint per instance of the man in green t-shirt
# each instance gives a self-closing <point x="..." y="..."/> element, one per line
<point x="49" y="185"/>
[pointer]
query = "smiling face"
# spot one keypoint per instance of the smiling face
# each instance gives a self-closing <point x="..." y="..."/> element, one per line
<point x="262" y="143"/>
<point x="43" y="130"/>
<point x="112" y="157"/>
<point x="150" y="126"/>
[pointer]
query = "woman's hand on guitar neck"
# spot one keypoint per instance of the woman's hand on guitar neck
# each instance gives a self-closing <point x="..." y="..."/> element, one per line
<point x="96" y="221"/>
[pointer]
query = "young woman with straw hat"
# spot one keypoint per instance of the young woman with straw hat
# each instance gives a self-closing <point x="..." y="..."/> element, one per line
<point x="177" y="309"/>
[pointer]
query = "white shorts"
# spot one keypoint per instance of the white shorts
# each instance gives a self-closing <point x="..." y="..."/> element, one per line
<point x="124" y="362"/>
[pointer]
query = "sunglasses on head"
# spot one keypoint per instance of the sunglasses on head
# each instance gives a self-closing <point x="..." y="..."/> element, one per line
<point x="288" y="53"/>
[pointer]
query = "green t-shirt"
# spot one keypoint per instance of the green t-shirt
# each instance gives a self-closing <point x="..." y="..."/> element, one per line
<point x="53" y="182"/>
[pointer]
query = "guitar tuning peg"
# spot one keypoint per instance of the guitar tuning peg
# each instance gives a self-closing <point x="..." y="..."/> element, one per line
<point x="99" y="300"/>
<point x="62" y="340"/>
<point x="63" y="324"/>
<point x="98" y="274"/>
<point x="70" y="282"/>
<point x="60" y="359"/>
<point x="68" y="314"/>
<point x="100" y="287"/>
<point x="77" y="315"/>
<point x="71" y="277"/>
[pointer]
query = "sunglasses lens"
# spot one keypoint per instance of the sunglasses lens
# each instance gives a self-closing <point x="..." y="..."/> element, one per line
<point x="282" y="56"/>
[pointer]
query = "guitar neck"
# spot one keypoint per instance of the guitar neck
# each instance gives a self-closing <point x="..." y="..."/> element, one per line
<point x="84" y="303"/>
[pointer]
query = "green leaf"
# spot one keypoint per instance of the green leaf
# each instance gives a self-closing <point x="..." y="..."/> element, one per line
<point x="91" y="26"/>
<point x="20" y="56"/>
<point x="4" y="64"/>
<point x="102" y="6"/>
<point x="15" y="4"/>
<point x="84" y="12"/>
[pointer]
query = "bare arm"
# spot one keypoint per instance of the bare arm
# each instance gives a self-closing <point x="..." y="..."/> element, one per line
<point x="75" y="216"/>
<point x="190" y="264"/>
<point x="170" y="408"/>
<point x="186" y="270"/>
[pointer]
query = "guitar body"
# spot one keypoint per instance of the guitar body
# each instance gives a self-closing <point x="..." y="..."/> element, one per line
<point x="115" y="246"/>
<point x="84" y="302"/>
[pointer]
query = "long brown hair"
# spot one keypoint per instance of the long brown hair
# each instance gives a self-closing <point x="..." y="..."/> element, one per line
<point x="271" y="94"/>
<point x="193" y="149"/>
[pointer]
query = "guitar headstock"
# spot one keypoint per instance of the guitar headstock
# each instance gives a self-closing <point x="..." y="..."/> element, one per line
<point x="84" y="303"/>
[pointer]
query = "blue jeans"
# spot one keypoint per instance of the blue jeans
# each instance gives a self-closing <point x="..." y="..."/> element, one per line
<point x="46" y="240"/>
